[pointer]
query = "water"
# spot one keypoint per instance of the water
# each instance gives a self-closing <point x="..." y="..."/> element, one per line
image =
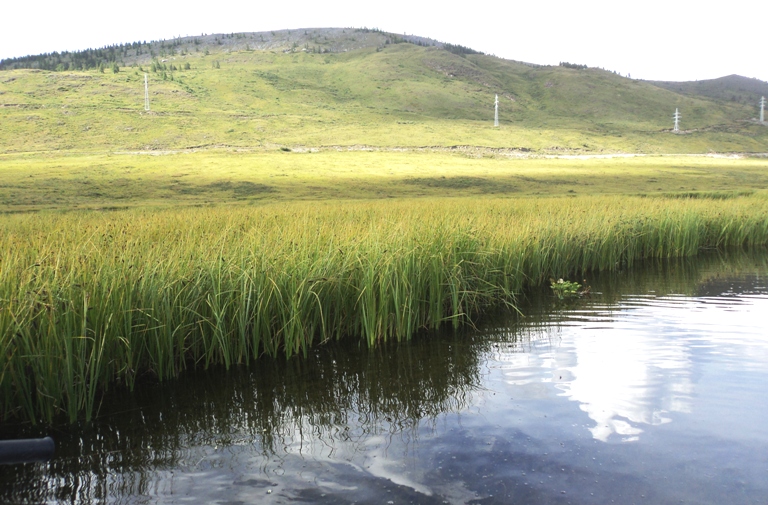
<point x="650" y="390"/>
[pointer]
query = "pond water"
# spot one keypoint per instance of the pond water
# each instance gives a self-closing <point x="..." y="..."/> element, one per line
<point x="649" y="390"/>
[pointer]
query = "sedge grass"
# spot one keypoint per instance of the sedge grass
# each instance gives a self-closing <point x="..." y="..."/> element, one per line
<point x="92" y="300"/>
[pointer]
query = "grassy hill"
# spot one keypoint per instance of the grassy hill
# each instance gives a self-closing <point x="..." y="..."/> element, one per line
<point x="731" y="88"/>
<point x="344" y="87"/>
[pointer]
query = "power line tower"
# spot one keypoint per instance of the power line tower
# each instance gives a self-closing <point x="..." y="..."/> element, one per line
<point x="762" y="110"/>
<point x="146" y="93"/>
<point x="676" y="117"/>
<point x="496" y="115"/>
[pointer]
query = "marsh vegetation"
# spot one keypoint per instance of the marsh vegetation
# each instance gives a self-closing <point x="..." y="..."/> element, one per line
<point x="92" y="301"/>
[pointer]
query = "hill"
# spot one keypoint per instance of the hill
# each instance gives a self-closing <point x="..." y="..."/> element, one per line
<point x="316" y="40"/>
<point x="356" y="88"/>
<point x="731" y="88"/>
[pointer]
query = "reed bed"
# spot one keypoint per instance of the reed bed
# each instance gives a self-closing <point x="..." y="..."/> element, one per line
<point x="93" y="300"/>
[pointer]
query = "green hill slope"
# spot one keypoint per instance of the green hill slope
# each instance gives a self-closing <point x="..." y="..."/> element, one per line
<point x="336" y="87"/>
<point x="731" y="88"/>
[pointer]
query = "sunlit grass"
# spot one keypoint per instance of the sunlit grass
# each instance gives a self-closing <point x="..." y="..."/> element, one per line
<point x="67" y="181"/>
<point x="89" y="300"/>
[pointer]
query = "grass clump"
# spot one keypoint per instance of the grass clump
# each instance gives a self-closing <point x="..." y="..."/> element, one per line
<point x="564" y="289"/>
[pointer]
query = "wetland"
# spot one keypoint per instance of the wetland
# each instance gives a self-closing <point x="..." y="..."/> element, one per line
<point x="323" y="276"/>
<point x="648" y="390"/>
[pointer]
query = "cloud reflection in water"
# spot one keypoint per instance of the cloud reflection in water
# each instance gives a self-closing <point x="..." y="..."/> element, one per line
<point x="633" y="364"/>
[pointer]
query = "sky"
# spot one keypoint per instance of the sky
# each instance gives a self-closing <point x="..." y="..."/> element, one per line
<point x="671" y="40"/>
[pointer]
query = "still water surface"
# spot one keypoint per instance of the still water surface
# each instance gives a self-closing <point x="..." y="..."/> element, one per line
<point x="650" y="390"/>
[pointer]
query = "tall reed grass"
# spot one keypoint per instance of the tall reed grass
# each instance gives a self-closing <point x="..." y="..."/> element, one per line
<point x="93" y="300"/>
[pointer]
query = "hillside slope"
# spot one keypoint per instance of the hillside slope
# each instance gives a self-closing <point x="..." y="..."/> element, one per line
<point x="731" y="88"/>
<point x="343" y="87"/>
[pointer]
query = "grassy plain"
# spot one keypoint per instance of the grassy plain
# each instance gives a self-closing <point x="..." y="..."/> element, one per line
<point x="54" y="181"/>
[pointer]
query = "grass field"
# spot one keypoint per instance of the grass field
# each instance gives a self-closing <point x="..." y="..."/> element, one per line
<point x="107" y="181"/>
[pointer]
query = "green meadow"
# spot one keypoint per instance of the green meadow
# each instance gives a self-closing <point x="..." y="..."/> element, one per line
<point x="52" y="181"/>
<point x="275" y="200"/>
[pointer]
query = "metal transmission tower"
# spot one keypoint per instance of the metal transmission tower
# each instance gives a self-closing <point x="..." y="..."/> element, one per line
<point x="676" y="117"/>
<point x="496" y="115"/>
<point x="762" y="110"/>
<point x="146" y="93"/>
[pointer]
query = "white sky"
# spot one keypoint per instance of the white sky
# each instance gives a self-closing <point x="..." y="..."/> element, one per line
<point x="665" y="40"/>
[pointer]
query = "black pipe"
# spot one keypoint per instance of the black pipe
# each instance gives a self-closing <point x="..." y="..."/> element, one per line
<point x="26" y="450"/>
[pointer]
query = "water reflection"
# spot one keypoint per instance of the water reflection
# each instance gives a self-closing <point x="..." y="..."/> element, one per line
<point x="632" y="371"/>
<point x="334" y="404"/>
<point x="506" y="413"/>
<point x="640" y="367"/>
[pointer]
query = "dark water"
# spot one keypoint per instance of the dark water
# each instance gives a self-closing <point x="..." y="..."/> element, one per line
<point x="651" y="390"/>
